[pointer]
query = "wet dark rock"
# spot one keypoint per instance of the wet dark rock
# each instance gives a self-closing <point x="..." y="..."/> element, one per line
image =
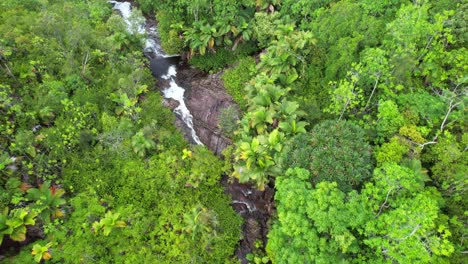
<point x="252" y="229"/>
<point x="256" y="207"/>
<point x="10" y="247"/>
<point x="159" y="66"/>
<point x="171" y="103"/>
<point x="205" y="98"/>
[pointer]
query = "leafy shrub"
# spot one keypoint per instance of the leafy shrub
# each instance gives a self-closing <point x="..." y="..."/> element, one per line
<point x="392" y="151"/>
<point x="216" y="61"/>
<point x="390" y="120"/>
<point x="152" y="109"/>
<point x="332" y="151"/>
<point x="264" y="31"/>
<point x="147" y="6"/>
<point x="236" y="78"/>
<point x="170" y="40"/>
<point x="213" y="62"/>
<point x="246" y="49"/>
<point x="228" y="119"/>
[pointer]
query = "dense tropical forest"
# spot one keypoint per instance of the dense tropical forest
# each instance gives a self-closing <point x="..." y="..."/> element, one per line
<point x="352" y="111"/>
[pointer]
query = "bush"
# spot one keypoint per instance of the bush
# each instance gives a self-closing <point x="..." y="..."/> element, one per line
<point x="214" y="62"/>
<point x="236" y="78"/>
<point x="391" y="152"/>
<point x="246" y="49"/>
<point x="147" y="6"/>
<point x="170" y="40"/>
<point x="228" y="119"/>
<point x="333" y="151"/>
<point x="264" y="32"/>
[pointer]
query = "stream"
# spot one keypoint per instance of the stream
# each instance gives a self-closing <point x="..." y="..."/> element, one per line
<point x="162" y="65"/>
<point x="254" y="206"/>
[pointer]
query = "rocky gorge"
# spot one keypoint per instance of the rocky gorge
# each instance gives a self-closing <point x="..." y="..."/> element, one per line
<point x="205" y="98"/>
<point x="197" y="99"/>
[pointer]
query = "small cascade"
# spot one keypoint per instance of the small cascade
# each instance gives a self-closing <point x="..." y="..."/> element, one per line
<point x="177" y="93"/>
<point x="134" y="24"/>
<point x="250" y="207"/>
<point x="163" y="66"/>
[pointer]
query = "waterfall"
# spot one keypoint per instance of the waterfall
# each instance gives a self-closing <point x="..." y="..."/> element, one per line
<point x="136" y="26"/>
<point x="250" y="207"/>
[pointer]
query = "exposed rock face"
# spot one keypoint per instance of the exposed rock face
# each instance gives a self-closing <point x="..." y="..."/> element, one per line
<point x="171" y="103"/>
<point x="256" y="207"/>
<point x="205" y="97"/>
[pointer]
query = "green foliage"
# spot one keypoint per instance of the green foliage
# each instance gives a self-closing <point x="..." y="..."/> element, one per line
<point x="44" y="203"/>
<point x="429" y="108"/>
<point x="213" y="62"/>
<point x="47" y="200"/>
<point x="108" y="223"/>
<point x="345" y="94"/>
<point x="459" y="25"/>
<point x="390" y="119"/>
<point x="141" y="144"/>
<point x="264" y="31"/>
<point x="201" y="26"/>
<point x="258" y="256"/>
<point x="201" y="224"/>
<point x="200" y="37"/>
<point x="286" y="56"/>
<point x="392" y="151"/>
<point x="65" y="135"/>
<point x="412" y="236"/>
<point x="449" y="164"/>
<point x="175" y="180"/>
<point x="313" y="223"/>
<point x="23" y="143"/>
<point x="41" y="252"/>
<point x="449" y="169"/>
<point x="170" y="32"/>
<point x="228" y="120"/>
<point x="235" y="79"/>
<point x="272" y="117"/>
<point x="382" y="223"/>
<point x="14" y="223"/>
<point x="78" y="110"/>
<point x="332" y="151"/>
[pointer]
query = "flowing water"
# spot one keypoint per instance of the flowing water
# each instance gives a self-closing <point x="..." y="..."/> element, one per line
<point x="163" y="66"/>
<point x="254" y="206"/>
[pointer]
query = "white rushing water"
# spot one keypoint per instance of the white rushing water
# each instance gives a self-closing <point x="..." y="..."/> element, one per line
<point x="135" y="24"/>
<point x="152" y="46"/>
<point x="250" y="207"/>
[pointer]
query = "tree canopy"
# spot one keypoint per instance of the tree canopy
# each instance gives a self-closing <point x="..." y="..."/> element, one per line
<point x="351" y="111"/>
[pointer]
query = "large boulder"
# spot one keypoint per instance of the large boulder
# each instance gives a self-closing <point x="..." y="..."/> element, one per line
<point x="205" y="97"/>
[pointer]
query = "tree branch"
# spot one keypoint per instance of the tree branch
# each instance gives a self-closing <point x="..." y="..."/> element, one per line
<point x="426" y="48"/>
<point x="385" y="203"/>
<point x="423" y="144"/>
<point x="4" y="62"/>
<point x="373" y="90"/>
<point x="416" y="228"/>
<point x="451" y="107"/>
<point x="344" y="109"/>
<point x="85" y="62"/>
